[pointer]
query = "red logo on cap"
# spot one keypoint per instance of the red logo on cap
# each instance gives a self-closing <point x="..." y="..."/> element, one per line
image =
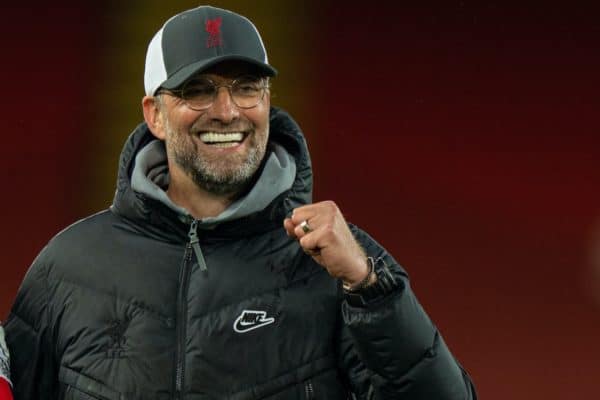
<point x="213" y="27"/>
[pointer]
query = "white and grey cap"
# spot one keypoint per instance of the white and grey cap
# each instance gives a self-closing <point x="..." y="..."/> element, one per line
<point x="198" y="38"/>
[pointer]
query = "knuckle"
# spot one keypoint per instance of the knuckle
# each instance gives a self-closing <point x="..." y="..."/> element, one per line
<point x="304" y="242"/>
<point x="295" y="212"/>
<point x="330" y="206"/>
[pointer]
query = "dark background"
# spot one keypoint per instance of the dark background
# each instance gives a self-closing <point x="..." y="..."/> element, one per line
<point x="462" y="135"/>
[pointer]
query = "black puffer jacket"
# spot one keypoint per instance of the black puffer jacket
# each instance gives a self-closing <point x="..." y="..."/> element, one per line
<point x="117" y="307"/>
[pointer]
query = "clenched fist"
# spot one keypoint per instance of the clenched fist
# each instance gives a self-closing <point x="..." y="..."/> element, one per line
<point x="323" y="233"/>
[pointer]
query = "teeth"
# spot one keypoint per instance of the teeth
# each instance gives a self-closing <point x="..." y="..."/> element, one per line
<point x="224" y="145"/>
<point x="216" y="137"/>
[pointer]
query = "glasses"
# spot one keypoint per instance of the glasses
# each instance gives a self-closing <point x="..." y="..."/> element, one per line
<point x="200" y="93"/>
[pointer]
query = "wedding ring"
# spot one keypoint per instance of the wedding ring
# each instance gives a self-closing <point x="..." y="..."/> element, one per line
<point x="305" y="227"/>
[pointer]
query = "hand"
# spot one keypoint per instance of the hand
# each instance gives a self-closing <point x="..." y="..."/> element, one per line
<point x="328" y="240"/>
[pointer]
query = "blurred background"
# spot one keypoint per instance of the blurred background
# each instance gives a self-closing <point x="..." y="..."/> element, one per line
<point x="463" y="135"/>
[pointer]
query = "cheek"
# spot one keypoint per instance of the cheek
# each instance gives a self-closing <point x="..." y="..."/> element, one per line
<point x="259" y="117"/>
<point x="183" y="118"/>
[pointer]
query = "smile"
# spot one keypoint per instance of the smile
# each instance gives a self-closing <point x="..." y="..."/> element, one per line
<point x="222" y="139"/>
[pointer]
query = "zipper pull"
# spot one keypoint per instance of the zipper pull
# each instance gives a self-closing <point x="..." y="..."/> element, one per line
<point x="194" y="242"/>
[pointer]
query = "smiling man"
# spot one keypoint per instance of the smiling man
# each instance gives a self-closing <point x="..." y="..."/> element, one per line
<point x="216" y="128"/>
<point x="213" y="275"/>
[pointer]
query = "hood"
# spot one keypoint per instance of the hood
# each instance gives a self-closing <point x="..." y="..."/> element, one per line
<point x="156" y="216"/>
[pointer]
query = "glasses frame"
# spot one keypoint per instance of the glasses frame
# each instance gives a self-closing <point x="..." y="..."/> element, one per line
<point x="179" y="92"/>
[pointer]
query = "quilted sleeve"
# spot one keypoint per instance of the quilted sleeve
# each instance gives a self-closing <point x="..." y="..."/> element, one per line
<point x="391" y="349"/>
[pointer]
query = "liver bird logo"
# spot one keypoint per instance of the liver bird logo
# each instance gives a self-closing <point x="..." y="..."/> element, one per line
<point x="213" y="27"/>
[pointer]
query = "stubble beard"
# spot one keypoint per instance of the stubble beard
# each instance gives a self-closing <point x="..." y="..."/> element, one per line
<point x="228" y="176"/>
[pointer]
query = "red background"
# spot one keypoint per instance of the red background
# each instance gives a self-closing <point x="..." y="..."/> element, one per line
<point x="463" y="137"/>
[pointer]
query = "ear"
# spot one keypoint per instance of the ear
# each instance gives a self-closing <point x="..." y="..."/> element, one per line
<point x="153" y="116"/>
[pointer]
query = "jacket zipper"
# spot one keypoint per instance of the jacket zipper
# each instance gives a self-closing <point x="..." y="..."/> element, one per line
<point x="191" y="248"/>
<point x="194" y="242"/>
<point x="309" y="390"/>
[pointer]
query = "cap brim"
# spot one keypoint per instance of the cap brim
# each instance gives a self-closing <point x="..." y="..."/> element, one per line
<point x="179" y="77"/>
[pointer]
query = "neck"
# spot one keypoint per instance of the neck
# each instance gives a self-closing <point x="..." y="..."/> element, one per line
<point x="184" y="192"/>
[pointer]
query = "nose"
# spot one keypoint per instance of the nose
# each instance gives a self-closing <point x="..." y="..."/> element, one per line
<point x="223" y="108"/>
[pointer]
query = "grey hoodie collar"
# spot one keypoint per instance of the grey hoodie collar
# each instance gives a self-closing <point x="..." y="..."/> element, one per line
<point x="151" y="177"/>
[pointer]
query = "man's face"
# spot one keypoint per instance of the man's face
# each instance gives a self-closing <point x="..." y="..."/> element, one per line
<point x="219" y="148"/>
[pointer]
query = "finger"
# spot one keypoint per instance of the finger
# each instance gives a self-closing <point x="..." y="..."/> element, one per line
<point x="317" y="213"/>
<point x="289" y="227"/>
<point x="313" y="252"/>
<point x="308" y="225"/>
<point x="308" y="247"/>
<point x="304" y="213"/>
<point x="302" y="229"/>
<point x="312" y="241"/>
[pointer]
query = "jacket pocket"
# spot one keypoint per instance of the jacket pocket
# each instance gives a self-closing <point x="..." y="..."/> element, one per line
<point x="80" y="387"/>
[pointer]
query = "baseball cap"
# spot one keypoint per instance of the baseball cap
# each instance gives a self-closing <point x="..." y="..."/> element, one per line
<point x="196" y="39"/>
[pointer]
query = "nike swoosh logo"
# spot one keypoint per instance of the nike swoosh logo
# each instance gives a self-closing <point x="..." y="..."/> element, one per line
<point x="250" y="320"/>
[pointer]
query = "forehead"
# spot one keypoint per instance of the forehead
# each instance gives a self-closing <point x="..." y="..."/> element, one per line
<point x="230" y="70"/>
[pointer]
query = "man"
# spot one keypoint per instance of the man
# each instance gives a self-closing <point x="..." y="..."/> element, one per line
<point x="190" y="287"/>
